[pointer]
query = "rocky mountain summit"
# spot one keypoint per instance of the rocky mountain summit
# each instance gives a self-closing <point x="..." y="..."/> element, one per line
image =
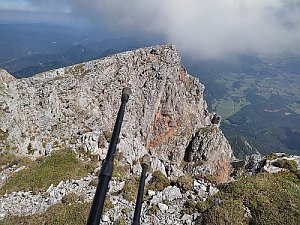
<point x="55" y="128"/>
<point x="75" y="108"/>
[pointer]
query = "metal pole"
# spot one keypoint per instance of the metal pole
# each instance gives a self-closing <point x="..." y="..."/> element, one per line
<point x="140" y="196"/>
<point x="107" y="166"/>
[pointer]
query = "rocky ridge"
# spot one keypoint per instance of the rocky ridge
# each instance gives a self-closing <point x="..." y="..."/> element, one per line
<point x="273" y="163"/>
<point x="74" y="108"/>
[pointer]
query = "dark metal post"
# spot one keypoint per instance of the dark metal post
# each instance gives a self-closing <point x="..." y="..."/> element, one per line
<point x="140" y="196"/>
<point x="107" y="166"/>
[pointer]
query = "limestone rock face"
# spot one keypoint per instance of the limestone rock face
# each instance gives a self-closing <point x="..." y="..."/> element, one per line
<point x="212" y="151"/>
<point x="5" y="77"/>
<point x="76" y="107"/>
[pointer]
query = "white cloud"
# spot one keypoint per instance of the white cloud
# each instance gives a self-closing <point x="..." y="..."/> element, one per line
<point x="209" y="28"/>
<point x="206" y="28"/>
<point x="16" y="5"/>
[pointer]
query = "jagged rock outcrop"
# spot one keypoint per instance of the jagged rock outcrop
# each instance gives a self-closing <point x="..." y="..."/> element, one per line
<point x="273" y="163"/>
<point x="5" y="77"/>
<point x="209" y="147"/>
<point x="75" y="108"/>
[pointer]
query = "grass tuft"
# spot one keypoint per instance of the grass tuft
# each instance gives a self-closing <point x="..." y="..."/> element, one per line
<point x="62" y="213"/>
<point x="130" y="188"/>
<point x="9" y="160"/>
<point x="269" y="198"/>
<point x="158" y="181"/>
<point x="185" y="182"/>
<point x="45" y="171"/>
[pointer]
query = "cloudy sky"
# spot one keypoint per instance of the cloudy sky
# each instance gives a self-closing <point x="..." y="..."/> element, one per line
<point x="204" y="28"/>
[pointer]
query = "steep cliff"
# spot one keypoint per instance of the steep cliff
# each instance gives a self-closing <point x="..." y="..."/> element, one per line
<point x="64" y="119"/>
<point x="75" y="108"/>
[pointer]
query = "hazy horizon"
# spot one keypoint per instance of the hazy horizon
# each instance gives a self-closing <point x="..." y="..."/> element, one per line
<point x="204" y="29"/>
